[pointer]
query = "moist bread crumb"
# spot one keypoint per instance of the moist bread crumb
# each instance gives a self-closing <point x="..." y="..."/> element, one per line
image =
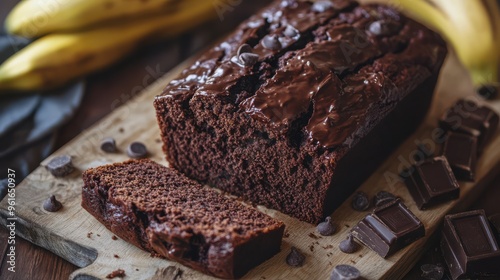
<point x="161" y="211"/>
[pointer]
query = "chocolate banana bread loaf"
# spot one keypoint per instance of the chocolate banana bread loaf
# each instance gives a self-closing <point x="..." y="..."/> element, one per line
<point x="160" y="210"/>
<point x="301" y="103"/>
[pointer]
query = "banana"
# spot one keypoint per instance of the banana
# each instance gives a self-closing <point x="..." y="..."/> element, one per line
<point x="56" y="59"/>
<point x="34" y="18"/>
<point x="471" y="27"/>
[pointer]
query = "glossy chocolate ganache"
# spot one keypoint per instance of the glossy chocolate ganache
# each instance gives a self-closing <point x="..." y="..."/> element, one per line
<point x="331" y="65"/>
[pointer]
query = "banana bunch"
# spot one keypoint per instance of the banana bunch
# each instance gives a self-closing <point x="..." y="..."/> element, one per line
<point x="472" y="27"/>
<point x="82" y="36"/>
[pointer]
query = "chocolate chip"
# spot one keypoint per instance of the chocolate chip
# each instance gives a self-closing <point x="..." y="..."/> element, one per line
<point x="271" y="42"/>
<point x="326" y="228"/>
<point x="108" y="145"/>
<point x="345" y="272"/>
<point x="137" y="150"/>
<point x="245" y="48"/>
<point x="321" y="6"/>
<point x="383" y="27"/>
<point x="51" y="204"/>
<point x="248" y="59"/>
<point x="360" y="201"/>
<point x="295" y="258"/>
<point x="383" y="197"/>
<point x="488" y="91"/>
<point x="432" y="272"/>
<point x="289" y="3"/>
<point x="290" y="31"/>
<point x="348" y="246"/>
<point x="60" y="166"/>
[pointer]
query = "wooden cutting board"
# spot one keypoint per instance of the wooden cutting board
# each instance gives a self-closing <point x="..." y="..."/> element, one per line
<point x="75" y="235"/>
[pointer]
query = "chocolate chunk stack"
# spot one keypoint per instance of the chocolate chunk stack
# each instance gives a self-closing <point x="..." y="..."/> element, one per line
<point x="469" y="127"/>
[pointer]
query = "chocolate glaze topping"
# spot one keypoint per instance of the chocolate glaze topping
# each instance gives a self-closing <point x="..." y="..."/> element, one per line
<point x="323" y="65"/>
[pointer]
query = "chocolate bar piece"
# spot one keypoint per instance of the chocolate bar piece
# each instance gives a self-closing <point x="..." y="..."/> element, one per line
<point x="389" y="228"/>
<point x="469" y="246"/>
<point x="432" y="182"/>
<point x="468" y="117"/>
<point x="461" y="152"/>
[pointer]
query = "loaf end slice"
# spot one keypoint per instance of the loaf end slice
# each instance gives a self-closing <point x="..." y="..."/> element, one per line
<point x="161" y="211"/>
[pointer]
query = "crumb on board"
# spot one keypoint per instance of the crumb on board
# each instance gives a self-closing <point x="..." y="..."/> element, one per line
<point x="311" y="247"/>
<point x="116" y="256"/>
<point x="328" y="247"/>
<point x="286" y="234"/>
<point x="121" y="130"/>
<point x="314" y="236"/>
<point x="114" y="237"/>
<point x="117" y="273"/>
<point x="98" y="235"/>
<point x="89" y="234"/>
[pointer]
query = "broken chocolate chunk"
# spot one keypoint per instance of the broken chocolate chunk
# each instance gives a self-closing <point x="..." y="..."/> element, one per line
<point x="469" y="117"/>
<point x="432" y="182"/>
<point x="469" y="247"/>
<point x="389" y="228"/>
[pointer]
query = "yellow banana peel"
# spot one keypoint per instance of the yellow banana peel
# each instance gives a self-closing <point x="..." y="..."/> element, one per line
<point x="56" y="59"/>
<point x="34" y="18"/>
<point x="472" y="28"/>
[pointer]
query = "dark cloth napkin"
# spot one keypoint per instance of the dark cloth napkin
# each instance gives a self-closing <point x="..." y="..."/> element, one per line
<point x="29" y="122"/>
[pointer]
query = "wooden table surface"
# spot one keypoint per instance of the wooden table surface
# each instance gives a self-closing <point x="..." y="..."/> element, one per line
<point x="111" y="88"/>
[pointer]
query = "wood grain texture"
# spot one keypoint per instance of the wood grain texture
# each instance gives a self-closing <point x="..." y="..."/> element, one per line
<point x="76" y="236"/>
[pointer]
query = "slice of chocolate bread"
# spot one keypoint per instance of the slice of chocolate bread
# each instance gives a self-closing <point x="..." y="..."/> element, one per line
<point x="299" y="106"/>
<point x="160" y="210"/>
